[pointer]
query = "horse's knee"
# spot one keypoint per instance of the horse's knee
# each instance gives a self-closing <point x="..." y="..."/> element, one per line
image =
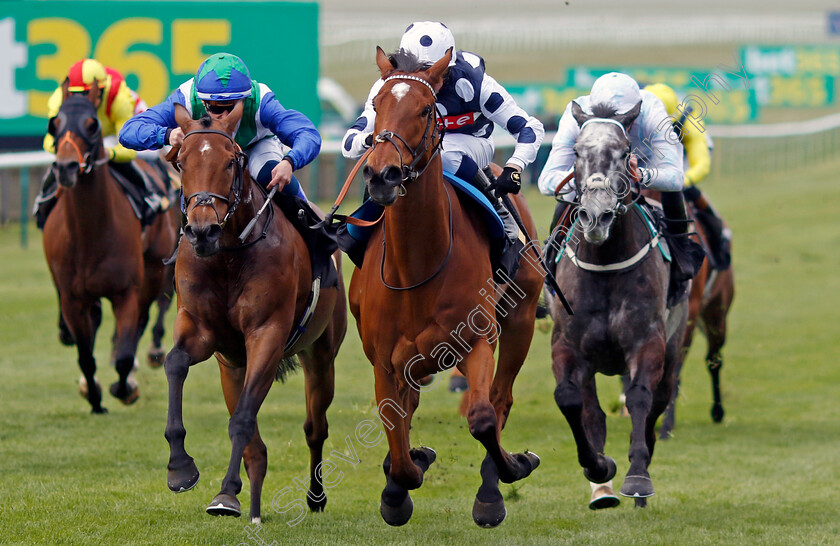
<point x="242" y="426"/>
<point x="568" y="397"/>
<point x="639" y="398"/>
<point x="482" y="419"/>
<point x="176" y="365"/>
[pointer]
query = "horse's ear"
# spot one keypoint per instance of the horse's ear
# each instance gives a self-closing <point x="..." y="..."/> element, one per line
<point x="182" y="117"/>
<point x="383" y="62"/>
<point x="580" y="116"/>
<point x="627" y="119"/>
<point x="438" y="69"/>
<point x="65" y="89"/>
<point x="94" y="96"/>
<point x="232" y="120"/>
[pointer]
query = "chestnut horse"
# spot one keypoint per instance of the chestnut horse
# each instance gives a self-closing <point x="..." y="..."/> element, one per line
<point x="95" y="248"/>
<point x="617" y="282"/>
<point x="712" y="292"/>
<point x="242" y="300"/>
<point x="421" y="298"/>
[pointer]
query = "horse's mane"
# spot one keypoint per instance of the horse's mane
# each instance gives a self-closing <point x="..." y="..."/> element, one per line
<point x="603" y="110"/>
<point x="206" y="121"/>
<point x="406" y="61"/>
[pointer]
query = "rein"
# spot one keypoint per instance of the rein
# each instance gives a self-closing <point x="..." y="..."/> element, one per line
<point x="439" y="269"/>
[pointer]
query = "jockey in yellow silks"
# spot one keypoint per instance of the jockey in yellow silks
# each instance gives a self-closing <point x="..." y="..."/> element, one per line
<point x="697" y="164"/>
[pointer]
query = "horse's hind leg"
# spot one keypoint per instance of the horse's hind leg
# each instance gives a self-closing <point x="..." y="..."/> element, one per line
<point x="156" y="352"/>
<point x="568" y="395"/>
<point x="647" y="369"/>
<point x="256" y="454"/>
<point x="319" y="378"/>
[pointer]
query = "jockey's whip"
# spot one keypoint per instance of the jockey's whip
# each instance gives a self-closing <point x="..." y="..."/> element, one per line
<point x="548" y="274"/>
<point x="253" y="222"/>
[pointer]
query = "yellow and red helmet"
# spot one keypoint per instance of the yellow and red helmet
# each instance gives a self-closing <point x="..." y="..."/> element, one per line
<point x="83" y="73"/>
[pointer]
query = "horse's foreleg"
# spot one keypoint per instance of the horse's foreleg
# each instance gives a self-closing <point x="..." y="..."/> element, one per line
<point x="403" y="467"/>
<point x="256" y="454"/>
<point x="263" y="354"/>
<point x="191" y="346"/>
<point x="82" y="326"/>
<point x="482" y="419"/>
<point x="568" y="395"/>
<point x="126" y="313"/>
<point x="489" y="506"/>
<point x="647" y="367"/>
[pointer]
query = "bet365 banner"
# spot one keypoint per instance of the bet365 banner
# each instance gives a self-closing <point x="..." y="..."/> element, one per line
<point x="155" y="45"/>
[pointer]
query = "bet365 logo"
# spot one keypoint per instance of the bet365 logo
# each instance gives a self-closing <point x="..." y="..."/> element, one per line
<point x="12" y="101"/>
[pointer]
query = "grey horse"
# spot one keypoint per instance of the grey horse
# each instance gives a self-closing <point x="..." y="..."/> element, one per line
<point x="616" y="278"/>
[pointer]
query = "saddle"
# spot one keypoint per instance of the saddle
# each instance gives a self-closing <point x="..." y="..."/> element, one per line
<point x="136" y="198"/>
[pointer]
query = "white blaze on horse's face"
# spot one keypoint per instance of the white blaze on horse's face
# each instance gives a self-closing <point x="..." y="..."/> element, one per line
<point x="400" y="90"/>
<point x="600" y="166"/>
<point x="205" y="148"/>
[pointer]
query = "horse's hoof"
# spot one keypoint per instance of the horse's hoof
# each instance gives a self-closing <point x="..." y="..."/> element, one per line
<point x="489" y="514"/>
<point x="458" y="383"/>
<point x="423" y="456"/>
<point x="717" y="413"/>
<point x="156" y="357"/>
<point x="224" y="505"/>
<point x="317" y="505"/>
<point x="184" y="478"/>
<point x="603" y="496"/>
<point x="127" y="398"/>
<point x="101" y="410"/>
<point x="637" y="487"/>
<point x="610" y="473"/>
<point x="396" y="515"/>
<point x="533" y="460"/>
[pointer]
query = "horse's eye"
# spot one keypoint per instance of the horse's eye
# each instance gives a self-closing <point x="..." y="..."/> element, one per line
<point x="93" y="126"/>
<point x="230" y="165"/>
<point x="426" y="111"/>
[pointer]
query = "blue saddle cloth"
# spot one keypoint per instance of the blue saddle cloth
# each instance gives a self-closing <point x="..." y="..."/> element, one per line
<point x="371" y="211"/>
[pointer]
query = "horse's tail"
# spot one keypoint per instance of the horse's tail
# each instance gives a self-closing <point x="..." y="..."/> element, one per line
<point x="285" y="367"/>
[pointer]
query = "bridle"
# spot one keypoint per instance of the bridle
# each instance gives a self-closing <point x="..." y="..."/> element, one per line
<point x="206" y="198"/>
<point x="409" y="171"/>
<point x="88" y="160"/>
<point x="85" y="163"/>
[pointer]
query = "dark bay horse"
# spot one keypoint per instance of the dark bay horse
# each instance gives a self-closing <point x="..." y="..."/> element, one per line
<point x="617" y="282"/>
<point x="95" y="248"/>
<point x="242" y="300"/>
<point x="712" y="292"/>
<point x="425" y="300"/>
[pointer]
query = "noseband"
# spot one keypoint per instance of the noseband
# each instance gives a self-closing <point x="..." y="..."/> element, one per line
<point x="409" y="171"/>
<point x="206" y="198"/>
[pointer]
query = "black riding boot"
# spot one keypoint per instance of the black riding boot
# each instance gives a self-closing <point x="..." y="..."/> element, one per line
<point x="686" y="254"/>
<point x="558" y="234"/>
<point x="46" y="198"/>
<point x="716" y="233"/>
<point x="505" y="256"/>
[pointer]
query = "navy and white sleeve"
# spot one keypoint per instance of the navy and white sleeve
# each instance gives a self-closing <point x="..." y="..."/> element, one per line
<point x="353" y="144"/>
<point x="293" y="128"/>
<point x="500" y="108"/>
<point x="147" y="130"/>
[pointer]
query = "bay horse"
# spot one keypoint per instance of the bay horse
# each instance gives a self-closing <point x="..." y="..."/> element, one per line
<point x="617" y="282"/>
<point x="243" y="300"/>
<point x="95" y="248"/>
<point x="712" y="292"/>
<point x="421" y="300"/>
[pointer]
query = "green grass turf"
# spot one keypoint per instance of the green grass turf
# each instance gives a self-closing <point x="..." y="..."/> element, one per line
<point x="767" y="475"/>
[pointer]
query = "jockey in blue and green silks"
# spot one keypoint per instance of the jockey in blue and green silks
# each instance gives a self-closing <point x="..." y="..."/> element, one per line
<point x="221" y="82"/>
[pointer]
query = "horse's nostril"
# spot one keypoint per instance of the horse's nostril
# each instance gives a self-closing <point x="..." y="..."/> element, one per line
<point x="367" y="173"/>
<point x="392" y="175"/>
<point x="584" y="218"/>
<point x="606" y="218"/>
<point x="214" y="231"/>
